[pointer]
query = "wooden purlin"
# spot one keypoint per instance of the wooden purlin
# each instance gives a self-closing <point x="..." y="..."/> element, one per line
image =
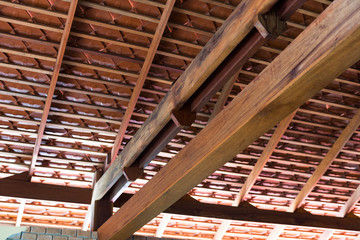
<point x="326" y="162"/>
<point x="55" y="74"/>
<point x="312" y="61"/>
<point x="142" y="77"/>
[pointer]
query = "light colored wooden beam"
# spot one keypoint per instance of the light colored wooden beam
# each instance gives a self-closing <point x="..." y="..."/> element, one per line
<point x="327" y="161"/>
<point x="55" y="74"/>
<point x="260" y="164"/>
<point x="162" y="226"/>
<point x="142" y="77"/>
<point x="319" y="54"/>
<point x="351" y="202"/>
<point x="20" y="213"/>
<point x="224" y="226"/>
<point x="238" y="25"/>
<point x="276" y="232"/>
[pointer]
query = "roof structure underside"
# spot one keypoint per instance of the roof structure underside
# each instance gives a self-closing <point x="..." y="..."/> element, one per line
<point x="106" y="49"/>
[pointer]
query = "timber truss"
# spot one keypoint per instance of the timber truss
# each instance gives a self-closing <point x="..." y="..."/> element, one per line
<point x="200" y="119"/>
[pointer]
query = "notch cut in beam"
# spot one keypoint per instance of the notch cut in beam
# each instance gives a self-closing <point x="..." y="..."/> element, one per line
<point x="329" y="46"/>
<point x="54" y="78"/>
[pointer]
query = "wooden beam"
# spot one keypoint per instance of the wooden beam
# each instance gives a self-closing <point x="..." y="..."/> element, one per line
<point x="162" y="226"/>
<point x="327" y="161"/>
<point x="260" y="164"/>
<point x="349" y="205"/>
<point x="54" y="78"/>
<point x="276" y="232"/>
<point x="319" y="54"/>
<point x="224" y="226"/>
<point x="20" y="213"/>
<point x="142" y="77"/>
<point x="351" y="202"/>
<point x="235" y="29"/>
<point x="9" y="187"/>
<point x="40" y="191"/>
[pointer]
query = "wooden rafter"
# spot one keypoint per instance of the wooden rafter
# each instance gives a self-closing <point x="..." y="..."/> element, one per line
<point x="349" y="205"/>
<point x="260" y="164"/>
<point x="142" y="77"/>
<point x="224" y="226"/>
<point x="326" y="162"/>
<point x="162" y="226"/>
<point x="54" y="78"/>
<point x="319" y="54"/>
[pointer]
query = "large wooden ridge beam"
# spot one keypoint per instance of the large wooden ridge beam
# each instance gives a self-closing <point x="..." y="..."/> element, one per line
<point x="15" y="188"/>
<point x="324" y="50"/>
<point x="235" y="29"/>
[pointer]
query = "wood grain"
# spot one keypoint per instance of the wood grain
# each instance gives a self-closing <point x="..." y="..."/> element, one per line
<point x="238" y="25"/>
<point x="319" y="54"/>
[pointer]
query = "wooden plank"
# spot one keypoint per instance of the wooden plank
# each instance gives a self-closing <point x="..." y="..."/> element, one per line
<point x="162" y="226"/>
<point x="260" y="164"/>
<point x="55" y="74"/>
<point x="320" y="53"/>
<point x="238" y="25"/>
<point x="40" y="191"/>
<point x="326" y="162"/>
<point x="142" y="77"/>
<point x="276" y="232"/>
<point x="351" y="202"/>
<point x="224" y="226"/>
<point x="20" y="213"/>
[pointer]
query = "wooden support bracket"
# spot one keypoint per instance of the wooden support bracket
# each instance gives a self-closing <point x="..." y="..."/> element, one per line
<point x="103" y="210"/>
<point x="132" y="173"/>
<point x="183" y="118"/>
<point x="269" y="25"/>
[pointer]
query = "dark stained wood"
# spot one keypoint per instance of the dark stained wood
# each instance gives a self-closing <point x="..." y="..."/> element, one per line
<point x="270" y="25"/>
<point x="39" y="191"/>
<point x="183" y="117"/>
<point x="319" y="54"/>
<point x="103" y="210"/>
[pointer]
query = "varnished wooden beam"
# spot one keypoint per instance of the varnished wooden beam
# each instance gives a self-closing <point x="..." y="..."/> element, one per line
<point x="319" y="54"/>
<point x="238" y="25"/>
<point x="142" y="77"/>
<point x="327" y="161"/>
<point x="54" y="78"/>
